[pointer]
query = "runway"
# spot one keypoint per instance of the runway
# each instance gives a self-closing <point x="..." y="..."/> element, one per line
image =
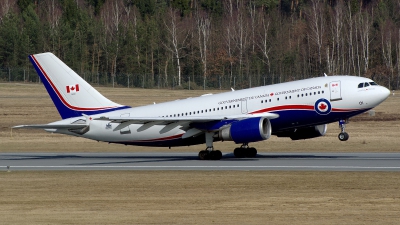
<point x="190" y="161"/>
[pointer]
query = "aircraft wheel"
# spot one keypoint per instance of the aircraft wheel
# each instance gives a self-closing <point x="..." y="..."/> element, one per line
<point x="250" y="152"/>
<point x="239" y="153"/>
<point x="204" y="155"/>
<point x="343" y="136"/>
<point x="215" y="155"/>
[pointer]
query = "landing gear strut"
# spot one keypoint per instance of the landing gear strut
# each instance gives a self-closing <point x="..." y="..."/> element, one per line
<point x="245" y="151"/>
<point x="343" y="136"/>
<point x="210" y="153"/>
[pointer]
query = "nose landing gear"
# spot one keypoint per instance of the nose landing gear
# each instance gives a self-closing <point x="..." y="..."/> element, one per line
<point x="343" y="136"/>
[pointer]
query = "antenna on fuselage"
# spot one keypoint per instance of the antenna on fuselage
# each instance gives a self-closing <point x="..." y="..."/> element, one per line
<point x="232" y="89"/>
<point x="325" y="74"/>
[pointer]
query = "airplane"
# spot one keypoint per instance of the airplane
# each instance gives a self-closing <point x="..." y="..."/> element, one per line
<point x="297" y="109"/>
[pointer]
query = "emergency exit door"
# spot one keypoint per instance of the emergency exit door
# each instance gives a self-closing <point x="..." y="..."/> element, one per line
<point x="335" y="90"/>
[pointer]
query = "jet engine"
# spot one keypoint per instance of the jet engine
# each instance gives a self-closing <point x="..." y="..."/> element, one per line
<point x="305" y="133"/>
<point x="247" y="130"/>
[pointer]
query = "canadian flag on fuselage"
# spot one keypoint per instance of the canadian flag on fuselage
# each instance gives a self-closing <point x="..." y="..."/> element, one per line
<point x="72" y="89"/>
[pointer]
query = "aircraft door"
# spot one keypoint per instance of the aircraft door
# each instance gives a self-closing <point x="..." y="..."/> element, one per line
<point x="125" y="130"/>
<point x="335" y="90"/>
<point x="244" y="105"/>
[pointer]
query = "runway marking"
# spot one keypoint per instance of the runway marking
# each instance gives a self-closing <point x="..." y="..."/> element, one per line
<point x="166" y="167"/>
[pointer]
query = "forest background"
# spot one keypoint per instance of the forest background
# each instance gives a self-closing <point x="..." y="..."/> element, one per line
<point x="203" y="44"/>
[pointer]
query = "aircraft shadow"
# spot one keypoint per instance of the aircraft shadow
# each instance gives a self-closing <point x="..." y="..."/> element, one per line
<point x="138" y="159"/>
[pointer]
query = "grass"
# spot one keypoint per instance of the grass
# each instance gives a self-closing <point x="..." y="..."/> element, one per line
<point x="192" y="197"/>
<point x="30" y="104"/>
<point x="189" y="197"/>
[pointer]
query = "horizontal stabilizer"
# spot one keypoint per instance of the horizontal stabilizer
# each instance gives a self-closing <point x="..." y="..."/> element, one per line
<point x="51" y="126"/>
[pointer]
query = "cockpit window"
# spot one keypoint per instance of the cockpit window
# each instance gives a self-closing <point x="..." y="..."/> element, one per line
<point x="373" y="83"/>
<point x="366" y="84"/>
<point x="360" y="85"/>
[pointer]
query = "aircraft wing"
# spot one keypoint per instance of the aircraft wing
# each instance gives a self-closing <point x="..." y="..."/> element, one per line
<point x="172" y="122"/>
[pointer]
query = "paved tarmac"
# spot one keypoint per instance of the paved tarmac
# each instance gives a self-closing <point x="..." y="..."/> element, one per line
<point x="190" y="161"/>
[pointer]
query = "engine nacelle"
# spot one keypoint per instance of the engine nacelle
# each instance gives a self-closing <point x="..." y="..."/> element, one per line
<point x="305" y="133"/>
<point x="247" y="130"/>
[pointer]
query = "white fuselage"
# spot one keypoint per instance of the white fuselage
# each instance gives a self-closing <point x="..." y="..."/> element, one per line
<point x="295" y="102"/>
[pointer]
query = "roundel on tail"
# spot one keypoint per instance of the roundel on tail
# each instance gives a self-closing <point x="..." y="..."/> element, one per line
<point x="322" y="106"/>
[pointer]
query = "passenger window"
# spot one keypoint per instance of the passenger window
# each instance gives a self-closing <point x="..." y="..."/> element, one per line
<point x="360" y="85"/>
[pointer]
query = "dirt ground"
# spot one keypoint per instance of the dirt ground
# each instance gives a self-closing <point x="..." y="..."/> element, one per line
<point x="30" y="104"/>
<point x="192" y="197"/>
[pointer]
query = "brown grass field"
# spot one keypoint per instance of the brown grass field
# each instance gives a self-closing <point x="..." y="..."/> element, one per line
<point x="192" y="197"/>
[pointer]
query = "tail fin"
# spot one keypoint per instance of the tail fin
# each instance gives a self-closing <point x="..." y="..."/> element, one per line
<point x="71" y="94"/>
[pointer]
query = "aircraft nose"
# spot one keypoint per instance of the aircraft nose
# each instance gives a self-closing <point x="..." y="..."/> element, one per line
<point x="384" y="93"/>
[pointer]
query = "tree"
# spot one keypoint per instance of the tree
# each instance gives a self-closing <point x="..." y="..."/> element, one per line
<point x="317" y="28"/>
<point x="203" y="23"/>
<point x="177" y="37"/>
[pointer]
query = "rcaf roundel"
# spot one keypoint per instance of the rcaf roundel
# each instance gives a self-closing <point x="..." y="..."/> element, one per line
<point x="322" y="106"/>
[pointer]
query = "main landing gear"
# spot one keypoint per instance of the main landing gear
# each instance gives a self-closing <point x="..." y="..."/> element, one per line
<point x="210" y="153"/>
<point x="245" y="151"/>
<point x="343" y="136"/>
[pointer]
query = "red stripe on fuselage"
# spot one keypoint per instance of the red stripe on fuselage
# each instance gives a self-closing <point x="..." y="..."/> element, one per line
<point x="298" y="107"/>
<point x="162" y="139"/>
<point x="284" y="107"/>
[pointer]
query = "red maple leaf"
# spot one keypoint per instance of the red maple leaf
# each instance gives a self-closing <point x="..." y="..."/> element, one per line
<point x="322" y="106"/>
<point x="72" y="88"/>
<point x="272" y="94"/>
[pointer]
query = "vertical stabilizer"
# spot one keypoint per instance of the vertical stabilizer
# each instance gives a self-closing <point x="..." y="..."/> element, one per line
<point x="71" y="94"/>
